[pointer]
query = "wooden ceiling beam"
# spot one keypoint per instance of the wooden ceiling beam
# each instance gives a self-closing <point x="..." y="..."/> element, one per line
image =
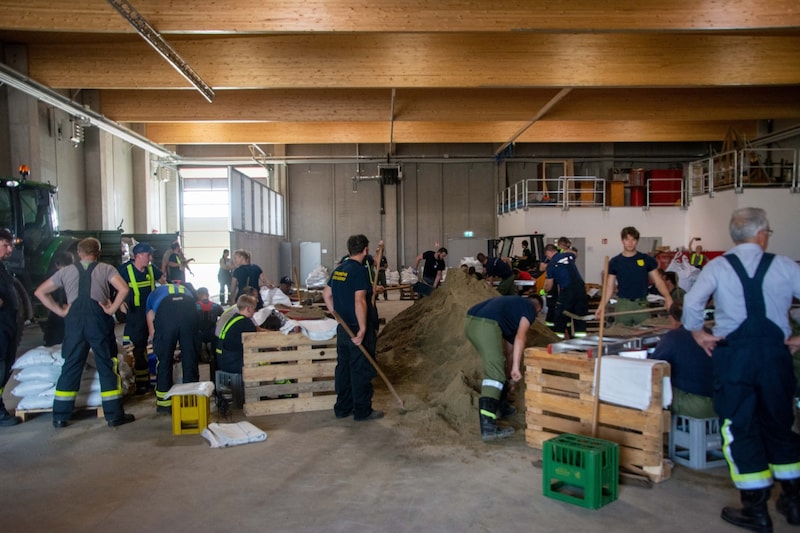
<point x="425" y="60"/>
<point x="543" y="131"/>
<point x="258" y="16"/>
<point x="446" y="105"/>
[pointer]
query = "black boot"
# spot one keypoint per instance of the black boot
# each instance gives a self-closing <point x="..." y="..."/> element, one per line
<point x="754" y="514"/>
<point x="789" y="501"/>
<point x="487" y="409"/>
<point x="6" y="418"/>
<point x="506" y="409"/>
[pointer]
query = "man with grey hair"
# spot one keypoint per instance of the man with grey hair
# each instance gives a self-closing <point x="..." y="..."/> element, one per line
<point x="754" y="380"/>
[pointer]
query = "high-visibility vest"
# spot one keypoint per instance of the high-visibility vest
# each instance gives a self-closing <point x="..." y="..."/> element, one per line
<point x="136" y="286"/>
<point x="697" y="260"/>
<point x="225" y="329"/>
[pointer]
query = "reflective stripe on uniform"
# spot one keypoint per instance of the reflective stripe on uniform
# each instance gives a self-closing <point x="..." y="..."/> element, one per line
<point x="784" y="472"/>
<point x="749" y="481"/>
<point x="492" y="383"/>
<point x="172" y="288"/>
<point x="490" y="414"/>
<point x="225" y="329"/>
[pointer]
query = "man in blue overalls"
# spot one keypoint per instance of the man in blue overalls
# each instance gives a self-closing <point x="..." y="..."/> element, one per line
<point x="754" y="382"/>
<point x="141" y="276"/>
<point x="172" y="318"/>
<point x="88" y="322"/>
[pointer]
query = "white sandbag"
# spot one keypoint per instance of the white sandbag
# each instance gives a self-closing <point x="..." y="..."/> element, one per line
<point x="35" y="402"/>
<point x="317" y="278"/>
<point x="32" y="388"/>
<point x="49" y="373"/>
<point x="408" y="276"/>
<point x="274" y="296"/>
<point x="87" y="398"/>
<point x="317" y="330"/>
<point x="41" y="355"/>
<point x="392" y="277"/>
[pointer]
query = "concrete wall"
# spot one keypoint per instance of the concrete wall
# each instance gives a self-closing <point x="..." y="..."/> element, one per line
<point x="432" y="203"/>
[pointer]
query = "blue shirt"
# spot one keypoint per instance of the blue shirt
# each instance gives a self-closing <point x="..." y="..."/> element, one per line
<point x="158" y="295"/>
<point x="718" y="279"/>
<point x="497" y="268"/>
<point x="347" y="279"/>
<point x="561" y="268"/>
<point x="507" y="311"/>
<point x="691" y="369"/>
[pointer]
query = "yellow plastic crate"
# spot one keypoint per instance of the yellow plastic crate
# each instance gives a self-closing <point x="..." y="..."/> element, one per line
<point x="189" y="414"/>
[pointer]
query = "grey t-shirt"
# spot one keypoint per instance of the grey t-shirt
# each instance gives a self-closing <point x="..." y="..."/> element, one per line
<point x="102" y="275"/>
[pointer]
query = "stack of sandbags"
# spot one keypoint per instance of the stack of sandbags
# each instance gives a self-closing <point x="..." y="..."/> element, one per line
<point x="392" y="277"/>
<point x="408" y="276"/>
<point x="38" y="370"/>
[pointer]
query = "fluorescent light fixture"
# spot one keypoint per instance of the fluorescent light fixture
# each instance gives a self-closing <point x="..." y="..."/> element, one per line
<point x="18" y="81"/>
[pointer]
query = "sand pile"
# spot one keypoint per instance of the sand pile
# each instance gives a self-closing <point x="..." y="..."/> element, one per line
<point x="433" y="366"/>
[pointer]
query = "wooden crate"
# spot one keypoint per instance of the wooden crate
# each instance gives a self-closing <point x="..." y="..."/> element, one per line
<point x="559" y="399"/>
<point x="303" y="368"/>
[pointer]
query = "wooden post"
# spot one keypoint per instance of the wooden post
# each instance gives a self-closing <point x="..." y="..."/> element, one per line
<point x="602" y="317"/>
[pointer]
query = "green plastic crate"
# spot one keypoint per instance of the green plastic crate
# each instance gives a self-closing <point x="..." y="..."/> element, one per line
<point x="581" y="470"/>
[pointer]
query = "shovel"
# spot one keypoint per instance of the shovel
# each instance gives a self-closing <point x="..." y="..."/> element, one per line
<point x="370" y="359"/>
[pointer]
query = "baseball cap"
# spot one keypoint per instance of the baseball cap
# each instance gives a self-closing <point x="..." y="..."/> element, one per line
<point x="143" y="248"/>
<point x="286" y="280"/>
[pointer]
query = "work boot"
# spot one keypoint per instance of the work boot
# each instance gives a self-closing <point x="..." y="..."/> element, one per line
<point x="789" y="501"/>
<point x="487" y="410"/>
<point x="506" y="409"/>
<point x="754" y="514"/>
<point x="7" y="419"/>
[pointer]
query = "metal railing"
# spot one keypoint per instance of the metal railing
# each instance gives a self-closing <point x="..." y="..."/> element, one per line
<point x="588" y="191"/>
<point x="740" y="169"/>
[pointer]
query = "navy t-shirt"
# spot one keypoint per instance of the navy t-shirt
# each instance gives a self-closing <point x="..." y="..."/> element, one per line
<point x="559" y="268"/>
<point x="691" y="369"/>
<point x="345" y="280"/>
<point x="632" y="274"/>
<point x="497" y="268"/>
<point x="232" y="358"/>
<point x="506" y="311"/>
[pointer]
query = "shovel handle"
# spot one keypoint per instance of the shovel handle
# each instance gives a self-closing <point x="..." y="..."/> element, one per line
<point x="369" y="358"/>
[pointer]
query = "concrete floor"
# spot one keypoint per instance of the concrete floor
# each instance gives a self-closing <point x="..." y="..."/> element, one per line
<point x="314" y="473"/>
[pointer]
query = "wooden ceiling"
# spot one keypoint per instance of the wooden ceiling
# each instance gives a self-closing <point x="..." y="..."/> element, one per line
<point x="414" y="71"/>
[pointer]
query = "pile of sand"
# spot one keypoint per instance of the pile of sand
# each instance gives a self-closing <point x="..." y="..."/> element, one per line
<point x="434" y="368"/>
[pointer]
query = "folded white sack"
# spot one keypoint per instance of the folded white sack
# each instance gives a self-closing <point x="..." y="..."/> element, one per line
<point x="226" y="435"/>
<point x="202" y="388"/>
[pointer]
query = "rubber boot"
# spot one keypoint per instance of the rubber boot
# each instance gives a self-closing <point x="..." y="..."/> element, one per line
<point x="754" y="514"/>
<point x="506" y="409"/>
<point x="789" y="501"/>
<point x="488" y="416"/>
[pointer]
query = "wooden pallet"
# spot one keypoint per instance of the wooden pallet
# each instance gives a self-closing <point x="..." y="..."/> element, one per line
<point x="406" y="292"/>
<point x="27" y="414"/>
<point x="559" y="399"/>
<point x="287" y="373"/>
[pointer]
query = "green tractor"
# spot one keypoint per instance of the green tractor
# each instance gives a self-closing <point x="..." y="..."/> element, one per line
<point x="27" y="209"/>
